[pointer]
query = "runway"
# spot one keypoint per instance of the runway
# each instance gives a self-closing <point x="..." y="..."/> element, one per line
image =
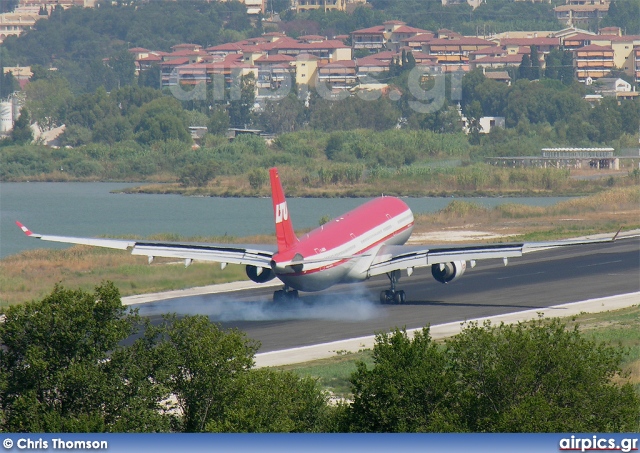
<point x="533" y="281"/>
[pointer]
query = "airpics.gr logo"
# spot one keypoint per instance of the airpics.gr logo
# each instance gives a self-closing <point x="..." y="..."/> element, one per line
<point x="7" y="443"/>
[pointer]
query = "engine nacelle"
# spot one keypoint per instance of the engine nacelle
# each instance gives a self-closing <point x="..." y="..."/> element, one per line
<point x="259" y="274"/>
<point x="448" y="272"/>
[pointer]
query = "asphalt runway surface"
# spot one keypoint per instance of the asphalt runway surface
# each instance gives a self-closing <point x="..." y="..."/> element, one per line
<point x="536" y="280"/>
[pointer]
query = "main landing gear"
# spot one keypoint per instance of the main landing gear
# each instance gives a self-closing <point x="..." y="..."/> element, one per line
<point x="285" y="295"/>
<point x="391" y="296"/>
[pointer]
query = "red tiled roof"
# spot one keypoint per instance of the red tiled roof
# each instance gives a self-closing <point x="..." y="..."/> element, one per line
<point x="227" y="47"/>
<point x="278" y="58"/>
<point x="581" y="37"/>
<point x="295" y="45"/>
<point x="233" y="57"/>
<point x="516" y="58"/>
<point x="494" y="50"/>
<point x="256" y="49"/>
<point x="151" y="58"/>
<point x="339" y="64"/>
<point x="595" y="48"/>
<point x="407" y="29"/>
<point x="138" y="50"/>
<point x="312" y="38"/>
<point x="463" y="41"/>
<point x="530" y="42"/>
<point x="378" y="30"/>
<point x="186" y="46"/>
<point x="175" y="62"/>
<point x="422" y="37"/>
<point x="623" y="38"/>
<point x="216" y="65"/>
<point x="186" y="53"/>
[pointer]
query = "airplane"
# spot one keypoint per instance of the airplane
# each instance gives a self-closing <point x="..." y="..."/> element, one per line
<point x="365" y="242"/>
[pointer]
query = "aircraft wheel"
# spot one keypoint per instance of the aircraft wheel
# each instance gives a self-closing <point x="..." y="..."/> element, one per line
<point x="386" y="297"/>
<point x="279" y="296"/>
<point x="283" y="296"/>
<point x="399" y="297"/>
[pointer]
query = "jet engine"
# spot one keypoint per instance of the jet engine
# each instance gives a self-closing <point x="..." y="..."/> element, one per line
<point x="259" y="274"/>
<point x="448" y="272"/>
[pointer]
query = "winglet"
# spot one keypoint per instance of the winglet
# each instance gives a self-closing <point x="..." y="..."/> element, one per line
<point x="24" y="229"/>
<point x="285" y="234"/>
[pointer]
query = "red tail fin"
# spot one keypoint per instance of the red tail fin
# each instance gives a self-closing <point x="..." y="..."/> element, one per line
<point x="284" y="228"/>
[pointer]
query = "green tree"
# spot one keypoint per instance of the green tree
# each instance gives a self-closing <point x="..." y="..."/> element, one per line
<point x="124" y="66"/>
<point x="243" y="96"/>
<point x="21" y="132"/>
<point x="112" y="129"/>
<point x="524" y="70"/>
<point x="539" y="377"/>
<point x="218" y="121"/>
<point x="198" y="174"/>
<point x="407" y="390"/>
<point x="161" y="119"/>
<point x="624" y="14"/>
<point x="258" y="177"/>
<point x="150" y="77"/>
<point x="201" y="364"/>
<point x="8" y="83"/>
<point x="283" y="115"/>
<point x="535" y="73"/>
<point x="47" y="101"/>
<point x="264" y="401"/>
<point x="75" y="135"/>
<point x="62" y="367"/>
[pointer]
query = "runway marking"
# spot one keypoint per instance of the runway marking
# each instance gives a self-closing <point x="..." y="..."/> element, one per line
<point x="600" y="264"/>
<point x="520" y="275"/>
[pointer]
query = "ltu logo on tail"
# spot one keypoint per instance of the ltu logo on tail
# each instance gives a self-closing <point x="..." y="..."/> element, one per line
<point x="282" y="212"/>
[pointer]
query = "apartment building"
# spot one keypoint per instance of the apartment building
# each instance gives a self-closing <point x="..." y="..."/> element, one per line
<point x="391" y="35"/>
<point x="274" y="70"/>
<point x="372" y="38"/>
<point x="326" y="5"/>
<point x="514" y="45"/>
<point x="338" y="75"/>
<point x="622" y="45"/>
<point x="50" y="4"/>
<point x="453" y="53"/>
<point x="254" y="7"/>
<point x="21" y="19"/>
<point x="593" y="62"/>
<point x="582" y="12"/>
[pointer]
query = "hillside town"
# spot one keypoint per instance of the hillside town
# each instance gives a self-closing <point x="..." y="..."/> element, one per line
<point x="365" y="60"/>
<point x="342" y="61"/>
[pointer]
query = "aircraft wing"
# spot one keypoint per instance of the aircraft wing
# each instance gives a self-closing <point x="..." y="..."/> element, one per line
<point x="256" y="255"/>
<point x="398" y="257"/>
